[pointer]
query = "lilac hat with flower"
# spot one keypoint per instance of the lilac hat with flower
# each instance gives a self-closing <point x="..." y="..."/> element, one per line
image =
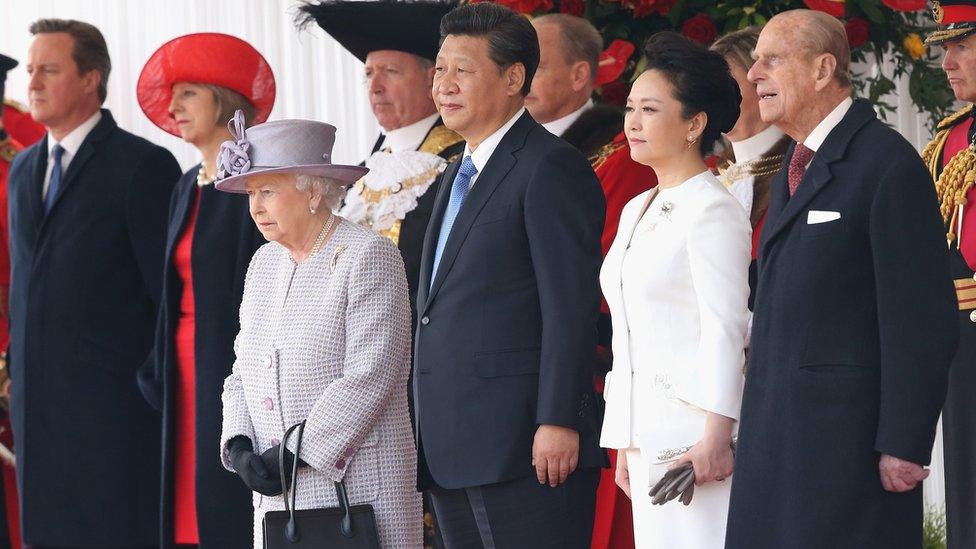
<point x="282" y="146"/>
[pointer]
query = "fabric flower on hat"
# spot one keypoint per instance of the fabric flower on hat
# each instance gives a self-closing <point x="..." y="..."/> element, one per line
<point x="905" y="5"/>
<point x="830" y="7"/>
<point x="858" y="32"/>
<point x="613" y="61"/>
<point x="914" y="46"/>
<point x="700" y="28"/>
<point x="233" y="158"/>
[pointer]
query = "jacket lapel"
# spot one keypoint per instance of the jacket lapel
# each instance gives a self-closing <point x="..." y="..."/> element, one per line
<point x="181" y="209"/>
<point x="499" y="164"/>
<point x="38" y="171"/>
<point x="85" y="152"/>
<point x="784" y="210"/>
<point x="433" y="230"/>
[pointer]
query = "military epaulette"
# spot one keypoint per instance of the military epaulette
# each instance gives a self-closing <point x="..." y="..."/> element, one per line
<point x="605" y="152"/>
<point x="438" y="139"/>
<point x="7" y="150"/>
<point x="955" y="117"/>
<point x="16" y="105"/>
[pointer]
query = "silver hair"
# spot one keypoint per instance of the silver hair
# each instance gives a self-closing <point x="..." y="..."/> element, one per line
<point x="332" y="190"/>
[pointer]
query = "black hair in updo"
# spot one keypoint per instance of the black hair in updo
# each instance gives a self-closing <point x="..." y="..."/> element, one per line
<point x="701" y="81"/>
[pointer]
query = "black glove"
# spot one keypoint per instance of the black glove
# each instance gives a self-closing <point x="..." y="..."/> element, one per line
<point x="252" y="469"/>
<point x="270" y="459"/>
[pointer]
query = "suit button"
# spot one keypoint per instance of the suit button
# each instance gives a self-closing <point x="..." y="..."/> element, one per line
<point x="425" y="321"/>
<point x="972" y="316"/>
<point x="268" y="403"/>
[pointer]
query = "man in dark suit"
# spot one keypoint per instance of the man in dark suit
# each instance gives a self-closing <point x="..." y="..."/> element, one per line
<point x="87" y="223"/>
<point x="855" y="315"/>
<point x="508" y="305"/>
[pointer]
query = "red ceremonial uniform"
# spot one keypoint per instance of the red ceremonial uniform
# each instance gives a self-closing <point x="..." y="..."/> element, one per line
<point x="21" y="132"/>
<point x="622" y="179"/>
<point x="958" y="140"/>
<point x="8" y="149"/>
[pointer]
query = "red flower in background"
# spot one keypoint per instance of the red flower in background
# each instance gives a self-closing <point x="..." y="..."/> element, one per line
<point x="643" y="8"/>
<point x="831" y="7"/>
<point x="615" y="93"/>
<point x="524" y="6"/>
<point x="858" y="32"/>
<point x="572" y="7"/>
<point x="905" y="5"/>
<point x="613" y="61"/>
<point x="700" y="28"/>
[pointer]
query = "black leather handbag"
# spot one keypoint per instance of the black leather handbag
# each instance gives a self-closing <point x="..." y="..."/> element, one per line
<point x="343" y="527"/>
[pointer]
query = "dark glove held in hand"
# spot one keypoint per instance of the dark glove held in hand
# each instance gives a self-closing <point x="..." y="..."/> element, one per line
<point x="252" y="469"/>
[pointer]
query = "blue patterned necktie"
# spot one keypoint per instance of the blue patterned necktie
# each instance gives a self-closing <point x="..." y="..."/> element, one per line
<point x="462" y="184"/>
<point x="54" y="185"/>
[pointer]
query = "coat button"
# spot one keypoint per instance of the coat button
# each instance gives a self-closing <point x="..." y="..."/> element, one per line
<point x="275" y="442"/>
<point x="972" y="316"/>
<point x="340" y="464"/>
<point x="268" y="404"/>
<point x="270" y="362"/>
<point x="425" y="321"/>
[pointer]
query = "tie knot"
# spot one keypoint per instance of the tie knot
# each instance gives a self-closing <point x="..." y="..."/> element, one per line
<point x="57" y="151"/>
<point x="467" y="168"/>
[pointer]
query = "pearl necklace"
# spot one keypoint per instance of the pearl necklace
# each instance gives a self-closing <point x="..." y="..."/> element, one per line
<point x="203" y="179"/>
<point x="320" y="239"/>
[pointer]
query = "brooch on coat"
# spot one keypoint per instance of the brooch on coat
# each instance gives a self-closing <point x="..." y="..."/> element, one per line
<point x="666" y="210"/>
<point x="335" y="257"/>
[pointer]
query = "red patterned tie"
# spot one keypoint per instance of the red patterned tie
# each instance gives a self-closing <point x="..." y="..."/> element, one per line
<point x="798" y="166"/>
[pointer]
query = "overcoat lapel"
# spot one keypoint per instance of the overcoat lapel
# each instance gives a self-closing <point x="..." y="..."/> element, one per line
<point x="784" y="210"/>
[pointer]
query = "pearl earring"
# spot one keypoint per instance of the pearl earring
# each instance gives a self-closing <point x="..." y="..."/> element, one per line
<point x="311" y="210"/>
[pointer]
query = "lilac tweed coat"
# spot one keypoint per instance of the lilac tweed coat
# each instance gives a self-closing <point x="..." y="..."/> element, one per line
<point x="329" y="341"/>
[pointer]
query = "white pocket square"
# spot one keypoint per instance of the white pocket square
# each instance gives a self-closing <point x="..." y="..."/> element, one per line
<point x="818" y="216"/>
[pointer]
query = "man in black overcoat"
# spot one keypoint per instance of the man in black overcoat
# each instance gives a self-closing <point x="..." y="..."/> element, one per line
<point x="87" y="227"/>
<point x="855" y="315"/>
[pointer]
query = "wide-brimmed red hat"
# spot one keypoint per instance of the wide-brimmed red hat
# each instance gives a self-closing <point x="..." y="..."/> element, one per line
<point x="204" y="58"/>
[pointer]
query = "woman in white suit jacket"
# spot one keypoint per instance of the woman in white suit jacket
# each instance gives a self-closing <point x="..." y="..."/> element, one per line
<point x="676" y="280"/>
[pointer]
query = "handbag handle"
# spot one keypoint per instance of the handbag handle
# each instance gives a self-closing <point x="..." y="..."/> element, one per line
<point x="291" y="529"/>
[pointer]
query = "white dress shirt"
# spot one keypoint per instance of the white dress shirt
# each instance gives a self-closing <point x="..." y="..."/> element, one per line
<point x="560" y="125"/>
<point x="410" y="137"/>
<point x="70" y="143"/>
<point x="487" y="147"/>
<point x="823" y="129"/>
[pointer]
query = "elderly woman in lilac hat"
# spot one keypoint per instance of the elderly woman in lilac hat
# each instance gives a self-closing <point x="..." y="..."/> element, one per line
<point x="325" y="338"/>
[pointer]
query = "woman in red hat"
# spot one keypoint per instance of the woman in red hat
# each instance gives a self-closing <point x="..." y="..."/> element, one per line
<point x="191" y="87"/>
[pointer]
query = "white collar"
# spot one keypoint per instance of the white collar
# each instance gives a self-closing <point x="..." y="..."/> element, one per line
<point x="560" y="125"/>
<point x="411" y="136"/>
<point x="753" y="147"/>
<point x="72" y="142"/>
<point x="819" y="134"/>
<point x="487" y="147"/>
